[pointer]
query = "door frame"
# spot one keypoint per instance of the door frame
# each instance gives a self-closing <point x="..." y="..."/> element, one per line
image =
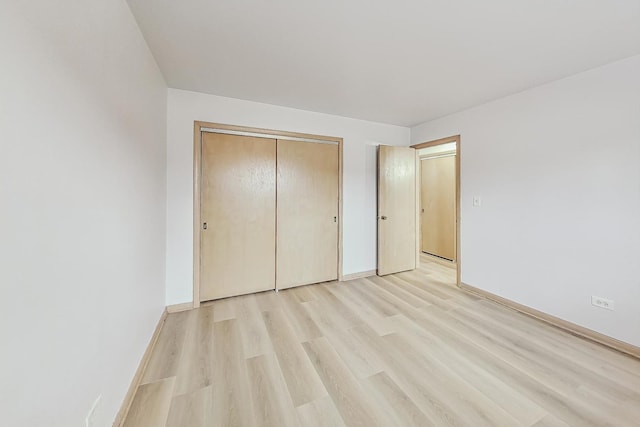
<point x="433" y="143"/>
<point x="201" y="126"/>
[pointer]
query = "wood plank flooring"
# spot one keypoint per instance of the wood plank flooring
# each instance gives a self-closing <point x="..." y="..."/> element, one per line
<point x="408" y="349"/>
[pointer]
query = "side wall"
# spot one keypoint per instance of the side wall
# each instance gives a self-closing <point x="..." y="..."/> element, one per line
<point x="558" y="171"/>
<point x="359" y="204"/>
<point x="82" y="216"/>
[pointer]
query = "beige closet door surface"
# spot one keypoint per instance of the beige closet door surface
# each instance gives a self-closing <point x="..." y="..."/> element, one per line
<point x="307" y="213"/>
<point x="238" y="204"/>
<point x="397" y="226"/>
<point x="438" y="213"/>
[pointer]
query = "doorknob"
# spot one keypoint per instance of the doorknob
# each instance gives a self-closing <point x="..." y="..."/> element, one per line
<point x="383" y="217"/>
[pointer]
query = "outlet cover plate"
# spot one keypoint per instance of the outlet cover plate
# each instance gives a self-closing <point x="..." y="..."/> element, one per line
<point x="605" y="303"/>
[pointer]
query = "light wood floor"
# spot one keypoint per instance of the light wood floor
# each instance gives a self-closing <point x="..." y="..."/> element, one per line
<point x="406" y="349"/>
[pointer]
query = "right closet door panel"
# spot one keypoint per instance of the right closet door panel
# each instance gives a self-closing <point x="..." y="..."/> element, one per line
<point x="307" y="213"/>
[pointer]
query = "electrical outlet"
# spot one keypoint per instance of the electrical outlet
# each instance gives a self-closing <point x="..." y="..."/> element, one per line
<point x="90" y="421"/>
<point x="477" y="201"/>
<point x="602" y="302"/>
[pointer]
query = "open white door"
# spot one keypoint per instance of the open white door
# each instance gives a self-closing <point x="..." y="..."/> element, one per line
<point x="397" y="227"/>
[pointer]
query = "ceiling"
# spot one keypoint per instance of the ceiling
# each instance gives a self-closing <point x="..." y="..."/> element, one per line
<point x="401" y="62"/>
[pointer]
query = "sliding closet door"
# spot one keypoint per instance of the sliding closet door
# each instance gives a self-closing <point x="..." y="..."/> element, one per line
<point x="307" y="213"/>
<point x="439" y="206"/>
<point x="238" y="215"/>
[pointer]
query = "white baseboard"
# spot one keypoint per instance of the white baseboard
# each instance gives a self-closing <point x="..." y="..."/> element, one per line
<point x="128" y="398"/>
<point x="572" y="328"/>
<point x="179" y="307"/>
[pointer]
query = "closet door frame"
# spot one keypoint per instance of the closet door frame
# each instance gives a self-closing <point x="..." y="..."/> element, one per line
<point x="198" y="128"/>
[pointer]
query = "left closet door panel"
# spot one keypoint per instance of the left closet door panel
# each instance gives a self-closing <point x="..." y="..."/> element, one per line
<point x="238" y="197"/>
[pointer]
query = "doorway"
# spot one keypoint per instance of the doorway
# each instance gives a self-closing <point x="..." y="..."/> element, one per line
<point x="439" y="207"/>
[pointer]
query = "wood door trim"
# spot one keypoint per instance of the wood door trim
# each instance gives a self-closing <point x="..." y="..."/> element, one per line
<point x="436" y="155"/>
<point x="197" y="173"/>
<point x="417" y="208"/>
<point x="433" y="143"/>
<point x="274" y="133"/>
<point x="453" y="138"/>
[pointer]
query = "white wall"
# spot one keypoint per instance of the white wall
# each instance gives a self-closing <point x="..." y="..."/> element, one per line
<point x="82" y="208"/>
<point x="558" y="170"/>
<point x="360" y="141"/>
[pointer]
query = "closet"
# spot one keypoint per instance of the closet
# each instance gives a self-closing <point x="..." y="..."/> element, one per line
<point x="269" y="213"/>
<point x="438" y="201"/>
